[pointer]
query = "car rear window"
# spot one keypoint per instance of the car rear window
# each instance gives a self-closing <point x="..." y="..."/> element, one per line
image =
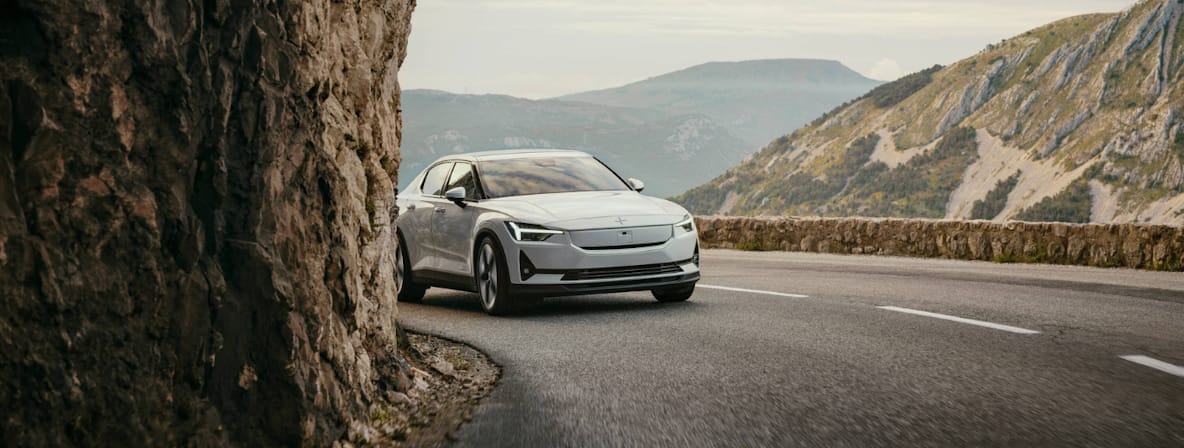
<point x="540" y="175"/>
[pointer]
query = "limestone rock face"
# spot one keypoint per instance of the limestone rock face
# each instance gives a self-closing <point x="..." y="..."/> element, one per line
<point x="1095" y="99"/>
<point x="195" y="209"/>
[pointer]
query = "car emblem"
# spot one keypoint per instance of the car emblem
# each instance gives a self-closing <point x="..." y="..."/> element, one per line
<point x="621" y="221"/>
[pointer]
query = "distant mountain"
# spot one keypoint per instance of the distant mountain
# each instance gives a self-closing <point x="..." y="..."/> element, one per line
<point x="757" y="100"/>
<point x="674" y="131"/>
<point x="669" y="152"/>
<point x="1080" y="120"/>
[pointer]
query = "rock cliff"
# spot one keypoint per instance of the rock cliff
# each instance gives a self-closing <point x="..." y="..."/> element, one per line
<point x="195" y="201"/>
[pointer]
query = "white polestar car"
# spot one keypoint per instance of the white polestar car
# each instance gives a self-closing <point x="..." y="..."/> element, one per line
<point x="519" y="225"/>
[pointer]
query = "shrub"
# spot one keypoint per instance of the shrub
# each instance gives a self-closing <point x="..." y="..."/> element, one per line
<point x="1072" y="205"/>
<point x="996" y="200"/>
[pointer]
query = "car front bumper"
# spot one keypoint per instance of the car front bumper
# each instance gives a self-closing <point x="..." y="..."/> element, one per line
<point x="557" y="267"/>
<point x="606" y="287"/>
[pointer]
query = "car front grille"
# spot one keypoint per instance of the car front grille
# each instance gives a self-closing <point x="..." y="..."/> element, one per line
<point x="624" y="271"/>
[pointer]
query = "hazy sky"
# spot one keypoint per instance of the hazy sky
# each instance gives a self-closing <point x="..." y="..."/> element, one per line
<point x="543" y="48"/>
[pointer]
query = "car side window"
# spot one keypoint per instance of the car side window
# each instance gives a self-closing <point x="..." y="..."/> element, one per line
<point x="464" y="176"/>
<point x="433" y="181"/>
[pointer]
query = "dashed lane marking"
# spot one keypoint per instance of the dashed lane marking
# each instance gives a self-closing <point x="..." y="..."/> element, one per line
<point x="964" y="320"/>
<point x="1156" y="364"/>
<point x="753" y="291"/>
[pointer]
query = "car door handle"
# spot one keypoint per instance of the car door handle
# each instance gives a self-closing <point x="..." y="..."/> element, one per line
<point x="440" y="209"/>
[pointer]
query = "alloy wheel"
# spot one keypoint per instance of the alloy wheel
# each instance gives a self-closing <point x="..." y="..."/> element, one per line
<point x="487" y="275"/>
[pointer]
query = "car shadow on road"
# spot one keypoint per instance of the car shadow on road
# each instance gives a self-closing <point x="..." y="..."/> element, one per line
<point x="564" y="306"/>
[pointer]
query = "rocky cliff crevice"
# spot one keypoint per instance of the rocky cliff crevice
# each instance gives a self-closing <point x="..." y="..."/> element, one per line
<point x="194" y="210"/>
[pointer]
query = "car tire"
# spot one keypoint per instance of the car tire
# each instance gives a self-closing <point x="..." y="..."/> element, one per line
<point x="493" y="280"/>
<point x="409" y="291"/>
<point x="676" y="294"/>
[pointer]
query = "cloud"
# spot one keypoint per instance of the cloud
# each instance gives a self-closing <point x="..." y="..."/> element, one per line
<point x="885" y="69"/>
<point x="781" y="17"/>
<point x="538" y="48"/>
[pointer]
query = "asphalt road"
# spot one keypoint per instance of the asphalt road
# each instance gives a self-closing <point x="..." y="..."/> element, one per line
<point x="834" y="368"/>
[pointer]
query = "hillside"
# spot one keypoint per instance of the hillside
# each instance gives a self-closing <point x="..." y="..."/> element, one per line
<point x="669" y="152"/>
<point x="1079" y="120"/>
<point x="758" y="100"/>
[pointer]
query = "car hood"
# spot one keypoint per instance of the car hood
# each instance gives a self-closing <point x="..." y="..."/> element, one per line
<point x="589" y="210"/>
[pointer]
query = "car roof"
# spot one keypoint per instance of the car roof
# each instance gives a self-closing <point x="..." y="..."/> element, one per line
<point x="514" y="153"/>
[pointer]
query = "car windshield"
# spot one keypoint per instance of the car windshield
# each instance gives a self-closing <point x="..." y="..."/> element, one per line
<point x="540" y="175"/>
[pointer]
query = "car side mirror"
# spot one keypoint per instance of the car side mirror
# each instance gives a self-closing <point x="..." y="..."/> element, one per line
<point x="636" y="184"/>
<point x="456" y="195"/>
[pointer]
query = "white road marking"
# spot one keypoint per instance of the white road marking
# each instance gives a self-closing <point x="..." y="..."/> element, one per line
<point x="1155" y="364"/>
<point x="754" y="291"/>
<point x="960" y="319"/>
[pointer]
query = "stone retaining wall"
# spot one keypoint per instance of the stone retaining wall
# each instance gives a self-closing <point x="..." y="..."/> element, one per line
<point x="1106" y="245"/>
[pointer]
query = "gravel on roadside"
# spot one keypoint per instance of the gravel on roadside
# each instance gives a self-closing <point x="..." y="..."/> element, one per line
<point x="448" y="380"/>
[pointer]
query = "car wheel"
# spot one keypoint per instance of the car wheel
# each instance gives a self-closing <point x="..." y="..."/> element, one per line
<point x="409" y="291"/>
<point x="493" y="279"/>
<point x="678" y="294"/>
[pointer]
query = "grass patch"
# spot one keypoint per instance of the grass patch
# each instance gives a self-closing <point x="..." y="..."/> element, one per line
<point x="1167" y="267"/>
<point x="382" y="416"/>
<point x="1005" y="258"/>
<point x="457" y="361"/>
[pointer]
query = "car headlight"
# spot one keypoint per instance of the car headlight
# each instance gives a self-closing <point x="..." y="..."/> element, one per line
<point x="687" y="225"/>
<point x="531" y="232"/>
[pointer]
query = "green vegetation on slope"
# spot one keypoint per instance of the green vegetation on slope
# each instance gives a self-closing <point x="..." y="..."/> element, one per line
<point x="844" y="183"/>
<point x="996" y="200"/>
<point x="803" y="190"/>
<point x="890" y="94"/>
<point x="1071" y="205"/>
<point x="705" y="199"/>
<point x="893" y="93"/>
<point x="919" y="188"/>
<point x="820" y="183"/>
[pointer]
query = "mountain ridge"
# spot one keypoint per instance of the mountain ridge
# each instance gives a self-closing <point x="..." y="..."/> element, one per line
<point x="757" y="99"/>
<point x="672" y="146"/>
<point x="796" y="68"/>
<point x="633" y="141"/>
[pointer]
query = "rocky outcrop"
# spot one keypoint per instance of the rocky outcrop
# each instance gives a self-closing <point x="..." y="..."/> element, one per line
<point x="195" y="201"/>
<point x="1088" y="98"/>
<point x="1106" y="245"/>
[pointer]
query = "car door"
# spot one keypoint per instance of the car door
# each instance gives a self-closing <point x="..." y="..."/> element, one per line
<point x="417" y="216"/>
<point x="453" y="224"/>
